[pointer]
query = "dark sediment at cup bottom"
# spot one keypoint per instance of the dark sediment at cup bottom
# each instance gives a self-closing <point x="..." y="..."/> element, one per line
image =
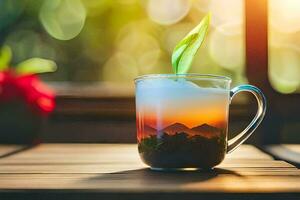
<point x="182" y="151"/>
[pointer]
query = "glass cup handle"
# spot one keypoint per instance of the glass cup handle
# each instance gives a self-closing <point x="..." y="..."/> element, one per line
<point x="245" y="134"/>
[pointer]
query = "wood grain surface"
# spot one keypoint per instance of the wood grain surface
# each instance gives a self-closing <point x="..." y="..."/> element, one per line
<point x="94" y="171"/>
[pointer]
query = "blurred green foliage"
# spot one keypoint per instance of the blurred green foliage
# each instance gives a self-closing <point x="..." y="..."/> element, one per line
<point x="117" y="40"/>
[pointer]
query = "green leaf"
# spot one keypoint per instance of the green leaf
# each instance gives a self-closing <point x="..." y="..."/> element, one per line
<point x="184" y="52"/>
<point x="36" y="65"/>
<point x="179" y="50"/>
<point x="5" y="57"/>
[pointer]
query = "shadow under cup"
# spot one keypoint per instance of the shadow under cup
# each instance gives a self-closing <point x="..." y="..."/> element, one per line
<point x="182" y="120"/>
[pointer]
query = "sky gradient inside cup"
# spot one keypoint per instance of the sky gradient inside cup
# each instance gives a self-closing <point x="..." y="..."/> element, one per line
<point x="162" y="102"/>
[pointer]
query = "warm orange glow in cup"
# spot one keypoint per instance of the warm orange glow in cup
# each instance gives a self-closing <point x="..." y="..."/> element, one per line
<point x="182" y="120"/>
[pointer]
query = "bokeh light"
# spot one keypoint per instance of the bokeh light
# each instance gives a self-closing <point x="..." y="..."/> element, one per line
<point x="226" y="46"/>
<point x="135" y="41"/>
<point x="284" y="45"/>
<point x="141" y="45"/>
<point x="121" y="67"/>
<point x="284" y="69"/>
<point x="285" y="15"/>
<point x="114" y="41"/>
<point x="167" y="11"/>
<point x="202" y="5"/>
<point x="229" y="11"/>
<point x="63" y="19"/>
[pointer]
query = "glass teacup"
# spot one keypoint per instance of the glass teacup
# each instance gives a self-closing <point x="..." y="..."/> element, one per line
<point x="182" y="120"/>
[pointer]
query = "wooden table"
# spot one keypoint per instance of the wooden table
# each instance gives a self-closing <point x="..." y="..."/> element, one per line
<point x="114" y="171"/>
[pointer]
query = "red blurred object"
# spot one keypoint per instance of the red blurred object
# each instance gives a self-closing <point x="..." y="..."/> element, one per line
<point x="29" y="88"/>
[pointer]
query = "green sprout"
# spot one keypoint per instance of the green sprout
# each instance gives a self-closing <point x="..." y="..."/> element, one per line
<point x="184" y="52"/>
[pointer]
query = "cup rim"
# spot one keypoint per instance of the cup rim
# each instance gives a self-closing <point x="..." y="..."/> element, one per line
<point x="189" y="75"/>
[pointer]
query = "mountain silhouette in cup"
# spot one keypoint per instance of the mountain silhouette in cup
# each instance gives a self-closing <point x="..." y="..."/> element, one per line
<point x="176" y="128"/>
<point x="148" y="130"/>
<point x="204" y="130"/>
